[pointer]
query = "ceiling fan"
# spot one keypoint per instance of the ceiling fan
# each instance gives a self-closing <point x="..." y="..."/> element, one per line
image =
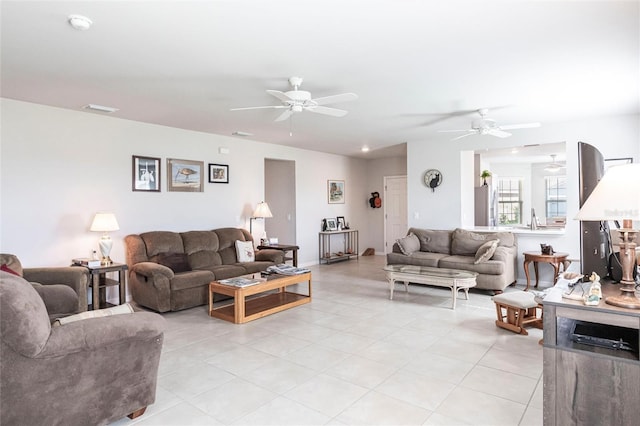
<point x="296" y="100"/>
<point x="554" y="166"/>
<point x="487" y="126"/>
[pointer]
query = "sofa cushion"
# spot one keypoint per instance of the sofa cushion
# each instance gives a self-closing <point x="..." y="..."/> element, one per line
<point x="419" y="258"/>
<point x="202" y="248"/>
<point x="245" y="252"/>
<point x="177" y="262"/>
<point x="185" y="280"/>
<point x="409" y="244"/>
<point x="467" y="243"/>
<point x="485" y="251"/>
<point x="157" y="242"/>
<point x="11" y="263"/>
<point x="433" y="241"/>
<point x="466" y="263"/>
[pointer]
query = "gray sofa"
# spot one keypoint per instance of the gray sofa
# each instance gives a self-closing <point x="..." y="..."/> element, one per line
<point x="93" y="371"/>
<point x="170" y="271"/>
<point x="459" y="249"/>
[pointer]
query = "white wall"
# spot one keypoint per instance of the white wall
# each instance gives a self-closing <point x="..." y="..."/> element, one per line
<point x="615" y="137"/>
<point x="372" y="235"/>
<point x="59" y="167"/>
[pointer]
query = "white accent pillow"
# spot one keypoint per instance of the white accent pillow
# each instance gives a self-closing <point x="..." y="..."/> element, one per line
<point x="244" y="251"/>
<point x="409" y="244"/>
<point x="98" y="313"/>
<point x="486" y="251"/>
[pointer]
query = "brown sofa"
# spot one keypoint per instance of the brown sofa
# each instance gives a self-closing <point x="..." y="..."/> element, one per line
<point x="457" y="249"/>
<point x="93" y="371"/>
<point x="170" y="271"/>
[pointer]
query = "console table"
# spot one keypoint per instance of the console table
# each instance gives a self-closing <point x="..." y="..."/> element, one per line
<point x="585" y="384"/>
<point x="349" y="246"/>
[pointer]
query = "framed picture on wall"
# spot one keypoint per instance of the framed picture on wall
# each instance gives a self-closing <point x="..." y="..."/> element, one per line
<point x="185" y="175"/>
<point x="146" y="174"/>
<point x="335" y="191"/>
<point x="218" y="173"/>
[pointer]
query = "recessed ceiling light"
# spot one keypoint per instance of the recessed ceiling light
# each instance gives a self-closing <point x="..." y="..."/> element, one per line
<point x="101" y="108"/>
<point x="79" y="22"/>
<point x="364" y="149"/>
<point x="239" y="133"/>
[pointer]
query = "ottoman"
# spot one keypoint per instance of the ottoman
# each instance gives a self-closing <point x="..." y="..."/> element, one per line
<point x="517" y="309"/>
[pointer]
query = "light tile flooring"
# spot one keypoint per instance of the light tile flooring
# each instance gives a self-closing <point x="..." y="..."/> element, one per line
<point x="350" y="357"/>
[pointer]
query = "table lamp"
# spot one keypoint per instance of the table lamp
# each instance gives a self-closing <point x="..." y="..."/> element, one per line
<point x="105" y="222"/>
<point x="617" y="197"/>
<point x="261" y="211"/>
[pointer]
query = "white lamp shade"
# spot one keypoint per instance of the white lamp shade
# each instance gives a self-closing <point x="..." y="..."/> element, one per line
<point x="104" y="222"/>
<point x="615" y="197"/>
<point x="262" y="210"/>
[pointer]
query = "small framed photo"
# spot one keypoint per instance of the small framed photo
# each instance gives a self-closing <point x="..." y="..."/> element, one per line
<point x="218" y="173"/>
<point x="146" y="174"/>
<point x="335" y="191"/>
<point x="185" y="175"/>
<point x="341" y="222"/>
<point x="330" y="224"/>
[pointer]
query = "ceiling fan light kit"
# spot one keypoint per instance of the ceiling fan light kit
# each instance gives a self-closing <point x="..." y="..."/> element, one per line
<point x="79" y="22"/>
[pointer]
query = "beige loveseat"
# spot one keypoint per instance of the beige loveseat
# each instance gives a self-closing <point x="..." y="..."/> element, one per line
<point x="460" y="249"/>
<point x="170" y="271"/>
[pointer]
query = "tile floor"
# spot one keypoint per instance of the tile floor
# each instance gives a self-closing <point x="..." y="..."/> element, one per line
<point x="350" y="357"/>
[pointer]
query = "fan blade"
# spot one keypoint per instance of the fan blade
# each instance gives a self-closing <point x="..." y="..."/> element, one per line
<point x="520" y="126"/>
<point x="284" y="115"/>
<point x="498" y="133"/>
<point x="259" y="107"/>
<point x="449" y="131"/>
<point x="345" y="97"/>
<point x="471" y="132"/>
<point x="280" y="95"/>
<point x="335" y="112"/>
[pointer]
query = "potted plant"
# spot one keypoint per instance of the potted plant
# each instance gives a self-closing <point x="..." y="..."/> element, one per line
<point x="485" y="174"/>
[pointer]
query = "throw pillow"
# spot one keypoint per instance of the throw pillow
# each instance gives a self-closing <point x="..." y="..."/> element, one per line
<point x="177" y="262"/>
<point x="244" y="251"/>
<point x="98" y="313"/>
<point x="5" y="268"/>
<point x="485" y="251"/>
<point x="409" y="244"/>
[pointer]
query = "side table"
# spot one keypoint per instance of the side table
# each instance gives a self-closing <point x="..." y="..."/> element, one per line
<point x="555" y="259"/>
<point x="99" y="283"/>
<point x="284" y="248"/>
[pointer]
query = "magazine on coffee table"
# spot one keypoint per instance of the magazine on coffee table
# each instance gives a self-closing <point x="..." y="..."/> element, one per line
<point x="241" y="282"/>
<point x="285" y="269"/>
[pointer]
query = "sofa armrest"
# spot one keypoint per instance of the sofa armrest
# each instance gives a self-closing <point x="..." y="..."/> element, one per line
<point x="270" y="255"/>
<point x="504" y="254"/>
<point x="150" y="269"/>
<point x="94" y="333"/>
<point x="76" y="277"/>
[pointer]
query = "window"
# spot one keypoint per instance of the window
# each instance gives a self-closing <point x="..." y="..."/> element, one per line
<point x="556" y="196"/>
<point x="510" y="201"/>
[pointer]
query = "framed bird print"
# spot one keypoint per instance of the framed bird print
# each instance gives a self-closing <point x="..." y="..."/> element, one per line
<point x="185" y="175"/>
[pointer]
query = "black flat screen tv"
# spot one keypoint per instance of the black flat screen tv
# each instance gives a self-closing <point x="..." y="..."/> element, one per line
<point x="594" y="236"/>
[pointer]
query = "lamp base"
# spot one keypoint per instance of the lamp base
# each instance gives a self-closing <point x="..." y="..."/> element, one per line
<point x="106" y="261"/>
<point x="626" y="299"/>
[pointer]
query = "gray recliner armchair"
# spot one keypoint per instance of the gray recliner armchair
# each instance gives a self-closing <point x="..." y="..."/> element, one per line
<point x="74" y="277"/>
<point x="92" y="371"/>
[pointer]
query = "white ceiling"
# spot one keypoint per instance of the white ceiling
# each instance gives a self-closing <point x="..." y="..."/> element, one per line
<point x="413" y="64"/>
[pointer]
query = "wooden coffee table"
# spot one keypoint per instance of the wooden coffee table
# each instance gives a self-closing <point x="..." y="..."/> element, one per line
<point x="454" y="279"/>
<point x="245" y="308"/>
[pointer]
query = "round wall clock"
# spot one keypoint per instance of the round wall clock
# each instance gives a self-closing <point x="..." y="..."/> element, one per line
<point x="432" y="179"/>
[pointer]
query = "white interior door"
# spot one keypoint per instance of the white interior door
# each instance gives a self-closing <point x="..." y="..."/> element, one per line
<point x="395" y="210"/>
